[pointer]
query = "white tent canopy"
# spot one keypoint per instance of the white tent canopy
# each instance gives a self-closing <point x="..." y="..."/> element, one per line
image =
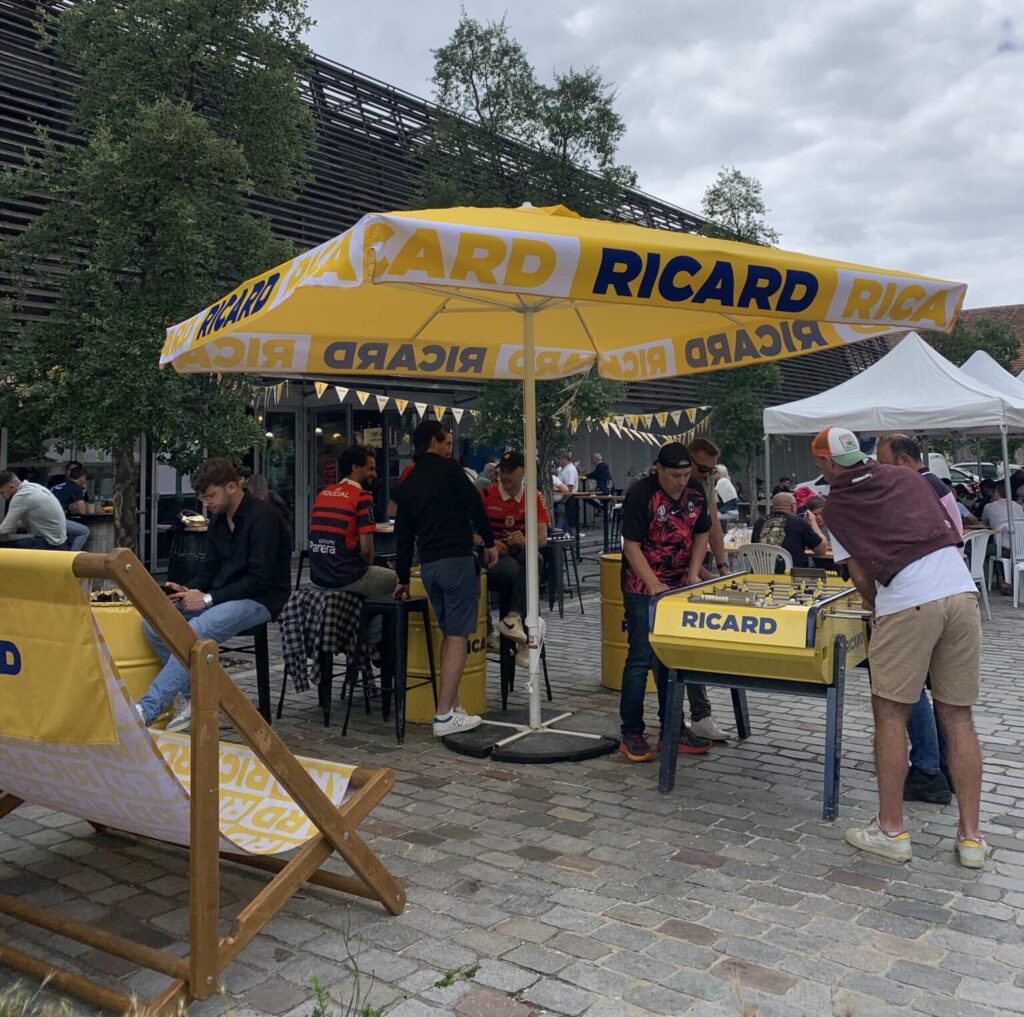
<point x="913" y="389"/>
<point x="980" y="365"/>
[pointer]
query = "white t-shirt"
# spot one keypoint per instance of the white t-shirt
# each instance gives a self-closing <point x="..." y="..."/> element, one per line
<point x="38" y="510"/>
<point x="939" y="574"/>
<point x="569" y="476"/>
<point x="725" y="489"/>
<point x="996" y="516"/>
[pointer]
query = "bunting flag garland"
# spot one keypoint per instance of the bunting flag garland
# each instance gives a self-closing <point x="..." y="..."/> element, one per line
<point x="662" y="418"/>
<point x="648" y="419"/>
<point x="605" y="426"/>
<point x="439" y="412"/>
<point x="616" y="429"/>
<point x="691" y="414"/>
<point x="362" y="397"/>
<point x="676" y="416"/>
<point x="320" y="387"/>
<point x="342" y="392"/>
<point x="401" y="404"/>
<point x="457" y="414"/>
<point x="421" y="409"/>
<point x="382" y="401"/>
<point x="279" y="391"/>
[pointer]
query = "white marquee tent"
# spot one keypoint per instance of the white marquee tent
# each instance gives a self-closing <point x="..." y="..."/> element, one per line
<point x="981" y="366"/>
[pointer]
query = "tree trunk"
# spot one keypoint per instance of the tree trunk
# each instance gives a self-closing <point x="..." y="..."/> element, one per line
<point x="752" y="484"/>
<point x="546" y="450"/>
<point x="126" y="517"/>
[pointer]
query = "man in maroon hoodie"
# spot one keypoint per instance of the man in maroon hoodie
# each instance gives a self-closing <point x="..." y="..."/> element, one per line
<point x="903" y="555"/>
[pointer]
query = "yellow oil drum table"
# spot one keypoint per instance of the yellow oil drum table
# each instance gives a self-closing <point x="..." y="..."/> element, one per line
<point x="121" y="626"/>
<point x="419" y="702"/>
<point x="613" y="625"/>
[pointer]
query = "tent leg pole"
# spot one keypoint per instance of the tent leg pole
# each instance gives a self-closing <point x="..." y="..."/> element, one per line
<point x="1008" y="494"/>
<point x="767" y="483"/>
<point x="532" y="550"/>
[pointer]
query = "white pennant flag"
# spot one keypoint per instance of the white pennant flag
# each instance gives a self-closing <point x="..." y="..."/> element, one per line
<point x="421" y="409"/>
<point x="605" y="425"/>
<point x="457" y="414"/>
<point x="342" y="392"/>
<point x="321" y="388"/>
<point x="382" y="401"/>
<point x="362" y="397"/>
<point x="648" y="419"/>
<point x="616" y="429"/>
<point x="676" y="416"/>
<point x="662" y="419"/>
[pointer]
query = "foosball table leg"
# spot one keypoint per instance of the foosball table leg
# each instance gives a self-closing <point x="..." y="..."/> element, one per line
<point x="672" y="721"/>
<point x="739" y="709"/>
<point x="834" y="732"/>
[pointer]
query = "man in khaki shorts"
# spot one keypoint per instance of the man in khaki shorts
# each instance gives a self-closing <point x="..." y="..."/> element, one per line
<point x="903" y="555"/>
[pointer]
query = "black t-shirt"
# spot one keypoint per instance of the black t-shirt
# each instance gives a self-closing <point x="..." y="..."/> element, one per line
<point x="67" y="492"/>
<point x="797" y="535"/>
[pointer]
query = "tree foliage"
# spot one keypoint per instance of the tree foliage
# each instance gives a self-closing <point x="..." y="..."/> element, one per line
<point x="735" y="209"/>
<point x="185" y="109"/>
<point x="998" y="341"/>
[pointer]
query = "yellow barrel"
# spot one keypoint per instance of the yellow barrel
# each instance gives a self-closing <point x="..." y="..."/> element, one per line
<point x="419" y="703"/>
<point x="134" y="658"/>
<point x="613" y="625"/>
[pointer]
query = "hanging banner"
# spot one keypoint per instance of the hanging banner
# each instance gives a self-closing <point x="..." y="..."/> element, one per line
<point x="439" y="411"/>
<point x="457" y="414"/>
<point x="382" y="401"/>
<point x="320" y="387"/>
<point x="421" y="409"/>
<point x="691" y="414"/>
<point x="401" y="404"/>
<point x="342" y="392"/>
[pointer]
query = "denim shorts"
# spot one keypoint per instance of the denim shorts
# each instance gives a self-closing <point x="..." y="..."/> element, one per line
<point x="454" y="591"/>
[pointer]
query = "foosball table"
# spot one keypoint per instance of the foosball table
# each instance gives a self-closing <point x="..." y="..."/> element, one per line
<point x="794" y="634"/>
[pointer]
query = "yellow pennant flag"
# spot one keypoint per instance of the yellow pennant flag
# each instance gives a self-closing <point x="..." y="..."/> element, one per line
<point x="616" y="429"/>
<point x="439" y="412"/>
<point x="676" y="416"/>
<point x="457" y="414"/>
<point x="279" y="391"/>
<point x="320" y="387"/>
<point x="662" y="418"/>
<point x="691" y="414"/>
<point x="421" y="409"/>
<point x="382" y="401"/>
<point x="401" y="404"/>
<point x="342" y="392"/>
<point x="605" y="425"/>
<point x="574" y="425"/>
<point x="648" y="419"/>
<point x="362" y="397"/>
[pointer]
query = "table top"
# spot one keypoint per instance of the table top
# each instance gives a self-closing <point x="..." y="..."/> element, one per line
<point x="594" y="496"/>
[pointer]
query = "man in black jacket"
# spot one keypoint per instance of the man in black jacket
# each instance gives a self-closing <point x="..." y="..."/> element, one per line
<point x="243" y="581"/>
<point x="438" y="509"/>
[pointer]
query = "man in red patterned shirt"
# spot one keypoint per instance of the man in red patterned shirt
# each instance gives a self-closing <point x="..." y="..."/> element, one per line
<point x="505" y="505"/>
<point x="665" y="530"/>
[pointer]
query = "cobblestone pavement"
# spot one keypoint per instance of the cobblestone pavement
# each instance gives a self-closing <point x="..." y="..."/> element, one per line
<point x="579" y="889"/>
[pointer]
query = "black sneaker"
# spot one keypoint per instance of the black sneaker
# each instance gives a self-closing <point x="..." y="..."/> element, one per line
<point x="926" y="787"/>
<point x="690" y="744"/>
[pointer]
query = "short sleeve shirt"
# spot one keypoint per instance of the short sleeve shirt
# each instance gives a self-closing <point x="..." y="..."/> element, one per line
<point x="342" y="513"/>
<point x="569" y="476"/>
<point x="506" y="514"/>
<point x="67" y="492"/>
<point x="664" y="529"/>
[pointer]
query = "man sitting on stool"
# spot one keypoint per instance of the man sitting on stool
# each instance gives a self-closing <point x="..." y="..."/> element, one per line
<point x="505" y="505"/>
<point x="242" y="582"/>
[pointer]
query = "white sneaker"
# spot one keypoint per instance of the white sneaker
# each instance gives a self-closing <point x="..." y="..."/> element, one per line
<point x="512" y="627"/>
<point x="182" y="719"/>
<point x="874" y="839"/>
<point x="456" y="723"/>
<point x="971" y="851"/>
<point x="708" y="728"/>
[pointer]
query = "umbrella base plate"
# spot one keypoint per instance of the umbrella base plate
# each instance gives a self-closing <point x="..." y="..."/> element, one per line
<point x="506" y="737"/>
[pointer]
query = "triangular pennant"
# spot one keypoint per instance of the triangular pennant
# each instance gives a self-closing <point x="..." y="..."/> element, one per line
<point x="457" y="414"/>
<point x="401" y="404"/>
<point x="320" y="387"/>
<point x="279" y="391"/>
<point x="616" y="429"/>
<point x="342" y="392"/>
<point x="648" y="419"/>
<point x="574" y="424"/>
<point x="382" y="401"/>
<point x="633" y="420"/>
<point x="676" y="416"/>
<point x="439" y="411"/>
<point x="421" y="409"/>
<point x="662" y="418"/>
<point x="620" y="419"/>
<point x="605" y="425"/>
<point x="691" y="414"/>
<point x="362" y="397"/>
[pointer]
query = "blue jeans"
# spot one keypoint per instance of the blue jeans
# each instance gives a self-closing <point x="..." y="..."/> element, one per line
<point x="218" y="623"/>
<point x="78" y="535"/>
<point x="640" y="659"/>
<point x="927" y="746"/>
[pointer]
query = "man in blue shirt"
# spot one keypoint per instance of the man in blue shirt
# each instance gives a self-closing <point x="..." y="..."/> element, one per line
<point x="70" y="492"/>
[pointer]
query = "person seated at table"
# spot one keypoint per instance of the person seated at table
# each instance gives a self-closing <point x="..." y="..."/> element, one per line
<point x="784" y="486"/>
<point x="58" y="478"/>
<point x="341" y="531"/>
<point x="488" y="475"/>
<point x="243" y="581"/>
<point x="815" y="507"/>
<point x="998" y="513"/>
<point x="569" y="476"/>
<point x="72" y="497"/>
<point x="36" y="510"/>
<point x="964" y="503"/>
<point x="505" y="505"/>
<point x="558" y="493"/>
<point x="793" y="533"/>
<point x="726" y="497"/>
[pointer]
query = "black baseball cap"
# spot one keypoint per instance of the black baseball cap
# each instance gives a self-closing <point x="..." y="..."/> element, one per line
<point x="673" y="456"/>
<point x="511" y="461"/>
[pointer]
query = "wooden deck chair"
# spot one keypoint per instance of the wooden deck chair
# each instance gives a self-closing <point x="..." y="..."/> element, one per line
<point x="72" y="740"/>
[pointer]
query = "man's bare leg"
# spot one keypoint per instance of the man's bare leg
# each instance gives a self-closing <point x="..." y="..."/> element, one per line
<point x="453" y="660"/>
<point x="964" y="759"/>
<point x="890" y="760"/>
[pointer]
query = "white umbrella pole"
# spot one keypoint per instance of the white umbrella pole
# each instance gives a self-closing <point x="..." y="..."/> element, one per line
<point x="532" y="550"/>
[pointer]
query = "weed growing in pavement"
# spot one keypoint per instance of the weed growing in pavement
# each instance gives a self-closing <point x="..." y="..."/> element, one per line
<point x="452" y="975"/>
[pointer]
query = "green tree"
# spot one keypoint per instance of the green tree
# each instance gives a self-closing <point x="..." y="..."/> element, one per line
<point x="735" y="209"/>
<point x="502" y="138"/>
<point x="185" y="109"/>
<point x="998" y="341"/>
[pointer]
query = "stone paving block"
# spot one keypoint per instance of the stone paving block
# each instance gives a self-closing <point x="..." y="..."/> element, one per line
<point x="488" y="1003"/>
<point x="753" y="976"/>
<point x="415" y="1008"/>
<point x="882" y="988"/>
<point x="923" y="976"/>
<point x="561" y="997"/>
<point x="1002" y="997"/>
<point x="543" y="960"/>
<point x="587" y="947"/>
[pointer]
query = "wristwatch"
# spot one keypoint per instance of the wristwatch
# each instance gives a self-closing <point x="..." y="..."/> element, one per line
<point x="208" y="599"/>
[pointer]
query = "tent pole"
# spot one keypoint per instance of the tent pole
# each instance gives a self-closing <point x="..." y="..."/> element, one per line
<point x="1008" y="494"/>
<point x="532" y="550"/>
<point x="767" y="483"/>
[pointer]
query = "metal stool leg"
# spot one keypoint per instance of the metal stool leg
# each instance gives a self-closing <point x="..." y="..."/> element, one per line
<point x="280" y="702"/>
<point x="579" y="589"/>
<point x="739" y="709"/>
<point x="834" y="732"/>
<point x="401" y="658"/>
<point x="507" y="667"/>
<point x="544" y="664"/>
<point x="425" y="611"/>
<point x="262" y="651"/>
<point x="325" y="688"/>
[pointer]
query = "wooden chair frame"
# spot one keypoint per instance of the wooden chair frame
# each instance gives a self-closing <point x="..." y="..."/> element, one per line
<point x="195" y="976"/>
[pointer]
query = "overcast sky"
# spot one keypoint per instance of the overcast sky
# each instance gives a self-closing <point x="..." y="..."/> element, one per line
<point x="887" y="132"/>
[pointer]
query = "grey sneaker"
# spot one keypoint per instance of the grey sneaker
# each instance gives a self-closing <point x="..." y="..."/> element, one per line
<point x="512" y="627"/>
<point x="182" y="719"/>
<point x="456" y="724"/>
<point x="708" y="728"/>
<point x="971" y="851"/>
<point x="874" y="839"/>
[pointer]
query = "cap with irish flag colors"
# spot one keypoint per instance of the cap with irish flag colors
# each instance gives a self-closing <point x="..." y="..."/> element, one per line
<point x="838" y="444"/>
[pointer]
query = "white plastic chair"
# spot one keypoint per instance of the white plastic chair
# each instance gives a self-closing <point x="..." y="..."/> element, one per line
<point x="762" y="558"/>
<point x="1011" y="569"/>
<point x="975" y="545"/>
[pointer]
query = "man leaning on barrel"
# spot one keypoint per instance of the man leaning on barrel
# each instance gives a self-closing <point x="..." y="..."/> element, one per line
<point x="903" y="555"/>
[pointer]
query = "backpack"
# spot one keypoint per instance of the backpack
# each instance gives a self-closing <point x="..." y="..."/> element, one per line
<point x="774" y="530"/>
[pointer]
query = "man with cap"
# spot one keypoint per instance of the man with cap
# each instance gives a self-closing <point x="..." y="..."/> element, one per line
<point x="903" y="554"/>
<point x="665" y="531"/>
<point x="505" y="506"/>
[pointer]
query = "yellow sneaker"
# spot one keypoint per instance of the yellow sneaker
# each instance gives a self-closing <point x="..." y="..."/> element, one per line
<point x="971" y="851"/>
<point x="873" y="838"/>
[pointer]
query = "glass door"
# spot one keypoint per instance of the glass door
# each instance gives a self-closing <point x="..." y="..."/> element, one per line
<point x="279" y="456"/>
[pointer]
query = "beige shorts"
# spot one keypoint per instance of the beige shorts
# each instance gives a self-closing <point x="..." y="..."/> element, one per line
<point x="941" y="639"/>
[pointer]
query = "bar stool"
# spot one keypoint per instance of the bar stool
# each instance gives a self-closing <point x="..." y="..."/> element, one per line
<point x="260" y="650"/>
<point x="507" y="649"/>
<point x="559" y="577"/>
<point x="303" y="558"/>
